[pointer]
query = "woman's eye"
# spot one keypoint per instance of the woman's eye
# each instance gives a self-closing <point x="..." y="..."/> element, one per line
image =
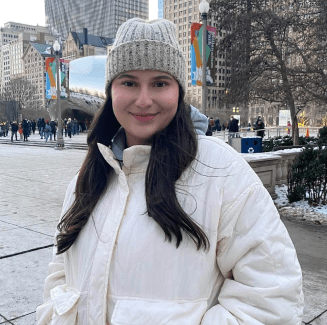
<point x="161" y="84"/>
<point x="128" y="83"/>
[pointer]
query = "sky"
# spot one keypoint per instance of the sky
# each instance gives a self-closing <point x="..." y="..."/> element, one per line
<point x="32" y="11"/>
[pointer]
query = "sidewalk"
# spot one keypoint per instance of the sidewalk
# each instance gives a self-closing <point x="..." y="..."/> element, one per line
<point x="33" y="181"/>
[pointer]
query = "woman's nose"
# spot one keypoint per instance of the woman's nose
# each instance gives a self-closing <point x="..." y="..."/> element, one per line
<point x="144" y="98"/>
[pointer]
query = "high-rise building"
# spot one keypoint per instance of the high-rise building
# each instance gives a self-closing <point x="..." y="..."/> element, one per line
<point x="183" y="13"/>
<point x="161" y="8"/>
<point x="100" y="17"/>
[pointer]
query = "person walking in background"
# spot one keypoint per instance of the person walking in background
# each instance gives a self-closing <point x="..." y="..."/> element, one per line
<point x="233" y="127"/>
<point x="217" y="125"/>
<point x="42" y="126"/>
<point x="69" y="127"/>
<point x="14" y="129"/>
<point x="25" y="127"/>
<point x="20" y="131"/>
<point x="260" y="126"/>
<point x="47" y="131"/>
<point x="163" y="225"/>
<point x="64" y="126"/>
<point x="53" y="125"/>
<point x="289" y="126"/>
<point x="33" y="123"/>
<point x="210" y="125"/>
<point x="6" y="126"/>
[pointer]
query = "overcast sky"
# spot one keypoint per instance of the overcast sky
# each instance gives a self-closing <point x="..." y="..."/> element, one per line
<point x="32" y="11"/>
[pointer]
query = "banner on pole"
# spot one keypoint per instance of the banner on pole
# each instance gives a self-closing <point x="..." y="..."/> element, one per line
<point x="196" y="55"/>
<point x="51" y="78"/>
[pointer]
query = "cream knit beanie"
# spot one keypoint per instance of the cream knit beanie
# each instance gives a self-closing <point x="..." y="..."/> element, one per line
<point x="146" y="45"/>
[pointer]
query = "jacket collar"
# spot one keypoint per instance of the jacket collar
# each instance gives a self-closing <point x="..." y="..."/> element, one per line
<point x="135" y="159"/>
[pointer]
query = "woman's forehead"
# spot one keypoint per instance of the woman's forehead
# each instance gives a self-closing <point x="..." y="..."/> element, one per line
<point x="145" y="74"/>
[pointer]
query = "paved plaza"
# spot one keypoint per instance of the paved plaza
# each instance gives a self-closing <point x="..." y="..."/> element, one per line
<point x="33" y="180"/>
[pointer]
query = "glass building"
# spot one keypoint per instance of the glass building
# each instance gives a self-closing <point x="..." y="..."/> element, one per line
<point x="100" y="17"/>
<point x="160" y="8"/>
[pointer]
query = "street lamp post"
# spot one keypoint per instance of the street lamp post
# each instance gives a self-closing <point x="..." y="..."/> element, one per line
<point x="204" y="9"/>
<point x="60" y="139"/>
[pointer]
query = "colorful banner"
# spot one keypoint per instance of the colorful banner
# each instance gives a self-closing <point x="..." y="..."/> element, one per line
<point x="51" y="78"/>
<point x="196" y="55"/>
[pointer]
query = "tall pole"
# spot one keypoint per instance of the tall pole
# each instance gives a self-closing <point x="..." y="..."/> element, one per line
<point x="204" y="71"/>
<point x="60" y="140"/>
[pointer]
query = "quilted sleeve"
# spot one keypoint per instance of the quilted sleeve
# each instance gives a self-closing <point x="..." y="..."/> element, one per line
<point x="263" y="278"/>
<point x="56" y="270"/>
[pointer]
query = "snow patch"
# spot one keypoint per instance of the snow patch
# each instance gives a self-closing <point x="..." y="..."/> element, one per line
<point x="300" y="209"/>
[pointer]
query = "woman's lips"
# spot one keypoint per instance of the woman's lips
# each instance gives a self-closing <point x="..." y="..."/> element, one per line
<point x="144" y="118"/>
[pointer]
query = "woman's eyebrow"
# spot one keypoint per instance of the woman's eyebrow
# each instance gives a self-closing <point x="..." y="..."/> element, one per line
<point x="133" y="77"/>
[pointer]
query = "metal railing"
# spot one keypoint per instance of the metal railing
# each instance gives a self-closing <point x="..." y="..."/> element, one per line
<point x="270" y="132"/>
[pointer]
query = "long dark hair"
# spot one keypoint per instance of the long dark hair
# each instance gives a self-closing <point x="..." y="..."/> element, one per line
<point x="172" y="151"/>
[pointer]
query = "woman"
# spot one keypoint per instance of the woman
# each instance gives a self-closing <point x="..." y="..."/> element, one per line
<point x="162" y="226"/>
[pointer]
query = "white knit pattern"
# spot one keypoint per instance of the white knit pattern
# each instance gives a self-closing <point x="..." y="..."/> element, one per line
<point x="146" y="45"/>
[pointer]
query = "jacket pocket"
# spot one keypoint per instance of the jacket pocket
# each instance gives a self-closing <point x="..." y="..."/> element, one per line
<point x="141" y="312"/>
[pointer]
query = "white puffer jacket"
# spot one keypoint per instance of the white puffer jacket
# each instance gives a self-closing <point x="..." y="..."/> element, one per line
<point x="121" y="270"/>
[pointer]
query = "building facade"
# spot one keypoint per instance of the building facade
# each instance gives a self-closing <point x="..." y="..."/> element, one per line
<point x="100" y="17"/>
<point x="34" y="70"/>
<point x="14" y="40"/>
<point x="161" y="8"/>
<point x="79" y="45"/>
<point x="183" y="13"/>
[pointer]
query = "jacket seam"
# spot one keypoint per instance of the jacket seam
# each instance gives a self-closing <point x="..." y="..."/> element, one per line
<point x="184" y="301"/>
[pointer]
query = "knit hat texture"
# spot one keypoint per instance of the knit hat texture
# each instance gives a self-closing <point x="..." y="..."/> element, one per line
<point x="146" y="45"/>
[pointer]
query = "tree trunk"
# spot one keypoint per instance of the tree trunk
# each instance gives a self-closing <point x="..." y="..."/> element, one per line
<point x="287" y="88"/>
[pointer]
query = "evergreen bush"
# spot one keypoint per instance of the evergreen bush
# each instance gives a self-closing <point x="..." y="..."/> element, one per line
<point x="307" y="177"/>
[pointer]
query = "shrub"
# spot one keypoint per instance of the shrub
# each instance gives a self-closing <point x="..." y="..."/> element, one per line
<point x="323" y="134"/>
<point x="307" y="177"/>
<point x="285" y="141"/>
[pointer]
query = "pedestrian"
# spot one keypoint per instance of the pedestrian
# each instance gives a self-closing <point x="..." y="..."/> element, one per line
<point x="233" y="127"/>
<point x="38" y="125"/>
<point x="33" y="126"/>
<point x="209" y="128"/>
<point x="64" y="127"/>
<point x="42" y="126"/>
<point x="6" y="128"/>
<point x="29" y="127"/>
<point x="53" y="125"/>
<point x="20" y="131"/>
<point x="69" y="127"/>
<point x="14" y="129"/>
<point x="217" y="125"/>
<point x="47" y="131"/>
<point x="289" y="125"/>
<point x="260" y="126"/>
<point x="163" y="226"/>
<point x="25" y="127"/>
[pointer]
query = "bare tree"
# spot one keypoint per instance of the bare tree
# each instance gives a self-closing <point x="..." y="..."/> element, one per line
<point x="267" y="44"/>
<point x="23" y="92"/>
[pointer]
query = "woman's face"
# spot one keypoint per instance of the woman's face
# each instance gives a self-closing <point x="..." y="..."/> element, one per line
<point x="144" y="102"/>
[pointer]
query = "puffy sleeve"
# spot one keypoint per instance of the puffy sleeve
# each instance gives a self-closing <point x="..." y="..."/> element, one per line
<point x="263" y="278"/>
<point x="56" y="271"/>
